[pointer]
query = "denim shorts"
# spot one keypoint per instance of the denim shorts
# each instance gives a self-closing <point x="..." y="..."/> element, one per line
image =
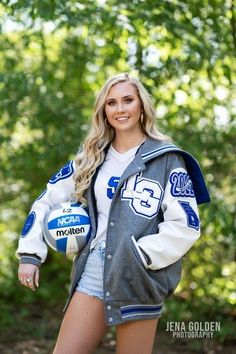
<point x="91" y="281"/>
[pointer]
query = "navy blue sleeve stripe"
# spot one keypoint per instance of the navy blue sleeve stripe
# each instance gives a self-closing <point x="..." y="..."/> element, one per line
<point x="141" y="309"/>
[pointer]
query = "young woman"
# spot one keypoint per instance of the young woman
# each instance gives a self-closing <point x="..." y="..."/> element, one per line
<point x="142" y="193"/>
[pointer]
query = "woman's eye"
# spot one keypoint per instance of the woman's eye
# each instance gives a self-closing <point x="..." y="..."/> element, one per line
<point x="111" y="103"/>
<point x="128" y="100"/>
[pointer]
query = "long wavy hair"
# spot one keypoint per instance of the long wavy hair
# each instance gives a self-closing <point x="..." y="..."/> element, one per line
<point x="91" y="153"/>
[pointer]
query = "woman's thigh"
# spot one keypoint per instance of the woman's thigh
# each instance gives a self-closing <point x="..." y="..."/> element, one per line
<point x="136" y="337"/>
<point x="82" y="327"/>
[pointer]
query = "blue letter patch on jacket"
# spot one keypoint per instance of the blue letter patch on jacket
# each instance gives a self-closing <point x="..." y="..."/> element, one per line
<point x="28" y="224"/>
<point x="144" y="195"/>
<point x="181" y="185"/>
<point x="192" y="218"/>
<point x="65" y="172"/>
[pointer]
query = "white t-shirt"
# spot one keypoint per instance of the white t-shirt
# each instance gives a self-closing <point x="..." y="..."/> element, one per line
<point x="106" y="182"/>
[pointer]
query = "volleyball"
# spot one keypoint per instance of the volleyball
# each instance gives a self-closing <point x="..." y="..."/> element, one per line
<point x="67" y="228"/>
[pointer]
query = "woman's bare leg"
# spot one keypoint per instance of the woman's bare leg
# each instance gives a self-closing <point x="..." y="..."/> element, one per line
<point x="82" y="327"/>
<point x="136" y="337"/>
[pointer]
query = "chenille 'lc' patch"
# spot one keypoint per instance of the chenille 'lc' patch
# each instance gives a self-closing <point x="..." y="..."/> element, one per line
<point x="65" y="172"/>
<point x="28" y="224"/>
<point x="181" y="185"/>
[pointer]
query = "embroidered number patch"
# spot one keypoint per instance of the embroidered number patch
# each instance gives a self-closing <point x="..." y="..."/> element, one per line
<point x="29" y="222"/>
<point x="112" y="183"/>
<point x="181" y="185"/>
<point x="144" y="195"/>
<point x="65" y="172"/>
<point x="192" y="218"/>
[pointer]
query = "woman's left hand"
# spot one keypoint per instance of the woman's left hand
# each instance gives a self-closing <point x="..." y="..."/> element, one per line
<point x="28" y="275"/>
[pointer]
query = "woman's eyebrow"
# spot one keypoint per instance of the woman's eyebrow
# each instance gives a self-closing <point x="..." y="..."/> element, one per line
<point x="109" y="99"/>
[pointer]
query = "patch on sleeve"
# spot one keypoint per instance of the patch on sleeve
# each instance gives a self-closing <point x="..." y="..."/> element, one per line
<point x="65" y="172"/>
<point x="181" y="185"/>
<point x="192" y="218"/>
<point x="29" y="222"/>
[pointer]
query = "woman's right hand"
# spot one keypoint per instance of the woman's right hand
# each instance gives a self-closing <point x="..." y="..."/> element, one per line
<point x="28" y="275"/>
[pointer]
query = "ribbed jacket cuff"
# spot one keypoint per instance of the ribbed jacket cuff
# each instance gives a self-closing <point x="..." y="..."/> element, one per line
<point x="30" y="259"/>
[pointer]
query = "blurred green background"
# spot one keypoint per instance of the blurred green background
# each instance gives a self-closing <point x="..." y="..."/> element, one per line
<point x="54" y="57"/>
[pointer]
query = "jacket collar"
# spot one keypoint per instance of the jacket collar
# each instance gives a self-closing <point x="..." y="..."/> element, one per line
<point x="151" y="148"/>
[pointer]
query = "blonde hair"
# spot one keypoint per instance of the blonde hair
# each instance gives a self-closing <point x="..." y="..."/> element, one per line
<point x="91" y="153"/>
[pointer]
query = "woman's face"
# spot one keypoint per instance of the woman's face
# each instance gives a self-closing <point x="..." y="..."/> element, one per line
<point x="123" y="107"/>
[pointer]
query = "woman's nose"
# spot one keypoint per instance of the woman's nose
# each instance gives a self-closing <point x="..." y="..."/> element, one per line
<point x="120" y="107"/>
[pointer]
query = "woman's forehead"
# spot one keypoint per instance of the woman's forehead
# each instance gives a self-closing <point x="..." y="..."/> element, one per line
<point x="122" y="89"/>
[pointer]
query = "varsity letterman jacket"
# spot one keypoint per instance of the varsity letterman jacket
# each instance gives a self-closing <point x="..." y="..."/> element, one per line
<point x="153" y="221"/>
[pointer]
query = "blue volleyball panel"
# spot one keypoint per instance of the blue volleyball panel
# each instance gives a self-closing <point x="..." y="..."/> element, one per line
<point x="61" y="244"/>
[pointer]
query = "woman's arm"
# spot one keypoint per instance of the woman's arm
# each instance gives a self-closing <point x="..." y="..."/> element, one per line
<point x="32" y="248"/>
<point x="181" y="226"/>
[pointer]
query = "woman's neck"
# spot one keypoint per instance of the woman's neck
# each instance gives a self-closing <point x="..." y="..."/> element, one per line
<point x="125" y="142"/>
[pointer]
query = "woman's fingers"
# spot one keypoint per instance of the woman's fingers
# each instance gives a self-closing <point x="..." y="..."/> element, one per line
<point x="30" y="283"/>
<point x="36" y="277"/>
<point x="28" y="275"/>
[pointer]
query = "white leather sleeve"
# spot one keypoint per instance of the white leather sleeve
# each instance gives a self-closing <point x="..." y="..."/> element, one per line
<point x="59" y="189"/>
<point x="180" y="227"/>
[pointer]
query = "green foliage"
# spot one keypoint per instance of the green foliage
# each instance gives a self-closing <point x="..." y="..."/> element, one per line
<point x="54" y="56"/>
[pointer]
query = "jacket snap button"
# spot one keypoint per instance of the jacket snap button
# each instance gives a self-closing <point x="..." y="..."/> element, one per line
<point x="107" y="293"/>
<point x="109" y="256"/>
<point x="108" y="307"/>
<point x="110" y="319"/>
<point x="112" y="223"/>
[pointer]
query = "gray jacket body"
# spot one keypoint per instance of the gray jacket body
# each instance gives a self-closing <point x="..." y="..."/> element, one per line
<point x="134" y="290"/>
